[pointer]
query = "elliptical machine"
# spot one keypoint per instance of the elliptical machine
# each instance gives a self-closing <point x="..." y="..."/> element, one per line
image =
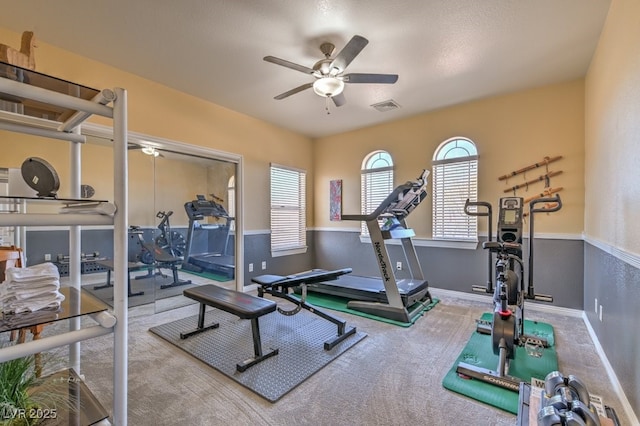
<point x="509" y="292"/>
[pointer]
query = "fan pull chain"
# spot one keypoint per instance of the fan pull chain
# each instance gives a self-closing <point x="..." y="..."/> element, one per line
<point x="326" y="105"/>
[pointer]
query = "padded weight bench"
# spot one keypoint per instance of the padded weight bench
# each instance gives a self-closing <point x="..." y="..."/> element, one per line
<point x="240" y="304"/>
<point x="279" y="286"/>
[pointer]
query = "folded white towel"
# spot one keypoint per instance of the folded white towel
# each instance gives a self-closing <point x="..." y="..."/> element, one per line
<point x="31" y="289"/>
<point x="32" y="273"/>
<point x="33" y="304"/>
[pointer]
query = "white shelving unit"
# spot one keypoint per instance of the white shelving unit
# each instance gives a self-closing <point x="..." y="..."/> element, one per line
<point x="107" y="103"/>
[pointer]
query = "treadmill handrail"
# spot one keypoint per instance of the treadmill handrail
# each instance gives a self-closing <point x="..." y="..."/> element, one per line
<point x="391" y="199"/>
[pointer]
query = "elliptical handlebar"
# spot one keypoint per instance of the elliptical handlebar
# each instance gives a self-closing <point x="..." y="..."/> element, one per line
<point x="530" y="294"/>
<point x="547" y="200"/>
<point x="468" y="203"/>
<point x="484" y="204"/>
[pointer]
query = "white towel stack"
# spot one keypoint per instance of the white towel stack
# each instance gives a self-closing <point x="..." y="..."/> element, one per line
<point x="31" y="289"/>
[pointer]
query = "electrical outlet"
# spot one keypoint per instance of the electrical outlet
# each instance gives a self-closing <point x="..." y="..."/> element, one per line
<point x="595" y="307"/>
<point x="399" y="266"/>
<point x="264" y="265"/>
<point x="251" y="267"/>
<point x="600" y="314"/>
<point x="47" y="257"/>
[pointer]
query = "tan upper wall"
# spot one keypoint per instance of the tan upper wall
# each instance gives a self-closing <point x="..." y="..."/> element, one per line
<point x="162" y="112"/>
<point x="510" y="132"/>
<point x="612" y="199"/>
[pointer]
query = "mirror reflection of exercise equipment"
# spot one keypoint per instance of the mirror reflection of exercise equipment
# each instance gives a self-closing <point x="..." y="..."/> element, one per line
<point x="386" y="296"/>
<point x="509" y="292"/>
<point x="207" y="244"/>
<point x="163" y="253"/>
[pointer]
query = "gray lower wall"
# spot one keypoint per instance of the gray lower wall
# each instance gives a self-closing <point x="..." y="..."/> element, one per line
<point x="558" y="263"/>
<point x="257" y="248"/>
<point x="558" y="268"/>
<point x="56" y="243"/>
<point x="616" y="285"/>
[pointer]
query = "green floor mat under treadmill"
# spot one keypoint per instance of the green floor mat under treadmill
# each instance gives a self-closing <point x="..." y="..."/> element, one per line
<point x="337" y="303"/>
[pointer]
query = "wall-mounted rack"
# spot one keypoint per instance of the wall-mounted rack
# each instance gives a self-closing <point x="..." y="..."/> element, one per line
<point x="526" y="184"/>
<point x="544" y="162"/>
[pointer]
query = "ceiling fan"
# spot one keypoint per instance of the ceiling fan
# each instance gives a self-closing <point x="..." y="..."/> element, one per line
<point x="329" y="72"/>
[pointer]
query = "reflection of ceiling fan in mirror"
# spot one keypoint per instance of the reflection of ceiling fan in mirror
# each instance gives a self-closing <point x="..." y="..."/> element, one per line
<point x="329" y="73"/>
<point x="146" y="149"/>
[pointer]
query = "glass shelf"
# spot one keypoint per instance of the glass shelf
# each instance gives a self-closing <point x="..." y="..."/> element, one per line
<point x="76" y="303"/>
<point x="39" y="109"/>
<point x="66" y="201"/>
<point x="79" y="406"/>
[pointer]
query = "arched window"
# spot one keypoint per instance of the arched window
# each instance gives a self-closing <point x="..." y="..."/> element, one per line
<point x="455" y="178"/>
<point x="376" y="182"/>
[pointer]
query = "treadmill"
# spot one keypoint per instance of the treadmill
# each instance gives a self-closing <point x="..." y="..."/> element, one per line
<point x="218" y="261"/>
<point x="385" y="296"/>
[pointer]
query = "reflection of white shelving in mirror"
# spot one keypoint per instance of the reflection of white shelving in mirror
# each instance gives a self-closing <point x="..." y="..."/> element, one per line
<point x="17" y="186"/>
<point x="11" y="183"/>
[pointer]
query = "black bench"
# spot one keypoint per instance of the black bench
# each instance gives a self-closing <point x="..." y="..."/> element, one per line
<point x="240" y="304"/>
<point x="131" y="267"/>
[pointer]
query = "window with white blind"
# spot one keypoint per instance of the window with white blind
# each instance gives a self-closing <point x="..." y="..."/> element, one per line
<point x="455" y="178"/>
<point x="288" y="211"/>
<point x="376" y="182"/>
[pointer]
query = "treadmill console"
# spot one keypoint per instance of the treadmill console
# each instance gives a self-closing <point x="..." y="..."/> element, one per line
<point x="201" y="207"/>
<point x="412" y="195"/>
<point x="510" y="220"/>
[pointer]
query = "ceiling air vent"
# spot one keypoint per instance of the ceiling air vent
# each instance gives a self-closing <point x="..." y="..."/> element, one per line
<point x="385" y="106"/>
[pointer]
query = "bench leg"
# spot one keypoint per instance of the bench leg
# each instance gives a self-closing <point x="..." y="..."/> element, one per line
<point x="343" y="331"/>
<point x="107" y="285"/>
<point x="257" y="349"/>
<point x="176" y="280"/>
<point x="201" y="326"/>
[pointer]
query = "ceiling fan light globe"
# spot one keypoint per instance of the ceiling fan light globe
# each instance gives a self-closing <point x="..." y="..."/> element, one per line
<point x="328" y="86"/>
<point x="149" y="150"/>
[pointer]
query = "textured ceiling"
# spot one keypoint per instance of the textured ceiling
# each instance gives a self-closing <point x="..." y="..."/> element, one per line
<point x="445" y="52"/>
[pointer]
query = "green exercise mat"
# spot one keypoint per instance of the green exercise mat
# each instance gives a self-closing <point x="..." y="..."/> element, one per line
<point x="479" y="351"/>
<point x="337" y="303"/>
<point x="208" y="275"/>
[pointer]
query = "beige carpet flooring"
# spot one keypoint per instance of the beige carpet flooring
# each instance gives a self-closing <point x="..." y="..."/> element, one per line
<point x="393" y="377"/>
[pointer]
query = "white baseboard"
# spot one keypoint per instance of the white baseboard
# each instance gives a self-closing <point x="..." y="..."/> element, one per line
<point x="538" y="307"/>
<point x="628" y="409"/>
<point x="575" y="313"/>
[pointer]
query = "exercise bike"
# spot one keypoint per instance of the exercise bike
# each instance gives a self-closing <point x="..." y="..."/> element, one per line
<point x="163" y="252"/>
<point x="509" y="292"/>
<point x="171" y="241"/>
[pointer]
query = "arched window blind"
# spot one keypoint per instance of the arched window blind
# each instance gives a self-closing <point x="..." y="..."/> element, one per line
<point x="455" y="178"/>
<point x="376" y="182"/>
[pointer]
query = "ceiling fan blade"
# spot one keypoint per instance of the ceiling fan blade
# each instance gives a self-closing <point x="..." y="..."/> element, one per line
<point x="370" y="78"/>
<point x="339" y="100"/>
<point x="288" y="64"/>
<point x="294" y="91"/>
<point x="348" y="53"/>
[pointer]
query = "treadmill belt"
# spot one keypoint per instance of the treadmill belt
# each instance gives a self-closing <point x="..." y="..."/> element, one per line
<point x="368" y="289"/>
